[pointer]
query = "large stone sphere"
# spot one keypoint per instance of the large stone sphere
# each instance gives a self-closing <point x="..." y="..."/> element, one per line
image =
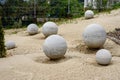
<point x="103" y="57"/>
<point x="94" y="36"/>
<point x="89" y="14"/>
<point x="10" y="45"/>
<point x="55" y="47"/>
<point x="32" y="29"/>
<point x="49" y="28"/>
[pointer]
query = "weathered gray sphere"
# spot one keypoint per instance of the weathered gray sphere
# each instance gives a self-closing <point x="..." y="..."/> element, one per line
<point x="55" y="47"/>
<point x="32" y="29"/>
<point x="89" y="14"/>
<point x="10" y="44"/>
<point x="94" y="36"/>
<point x="103" y="57"/>
<point x="49" y="28"/>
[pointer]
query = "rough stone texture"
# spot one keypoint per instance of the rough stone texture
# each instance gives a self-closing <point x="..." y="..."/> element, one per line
<point x="103" y="57"/>
<point x="10" y="45"/>
<point x="55" y="47"/>
<point x="94" y="36"/>
<point x="32" y="29"/>
<point x="89" y="14"/>
<point x="49" y="28"/>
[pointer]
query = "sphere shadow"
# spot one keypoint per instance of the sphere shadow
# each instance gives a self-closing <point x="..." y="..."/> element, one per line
<point x="25" y="33"/>
<point x="101" y="65"/>
<point x="84" y="49"/>
<point x="45" y="60"/>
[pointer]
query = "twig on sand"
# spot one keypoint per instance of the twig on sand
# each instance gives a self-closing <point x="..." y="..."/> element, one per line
<point x="114" y="36"/>
<point x="117" y="41"/>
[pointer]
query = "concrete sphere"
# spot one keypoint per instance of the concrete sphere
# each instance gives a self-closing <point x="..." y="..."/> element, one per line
<point x="49" y="28"/>
<point x="89" y="14"/>
<point x="94" y="36"/>
<point x="55" y="47"/>
<point x="10" y="44"/>
<point x="32" y="29"/>
<point x="103" y="57"/>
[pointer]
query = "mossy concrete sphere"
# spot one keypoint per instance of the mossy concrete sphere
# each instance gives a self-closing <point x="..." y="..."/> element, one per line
<point x="94" y="36"/>
<point x="55" y="47"/>
<point x="89" y="14"/>
<point x="10" y="45"/>
<point x="32" y="29"/>
<point x="103" y="57"/>
<point x="49" y="28"/>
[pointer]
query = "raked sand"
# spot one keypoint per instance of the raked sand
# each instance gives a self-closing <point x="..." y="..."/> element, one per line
<point x="28" y="62"/>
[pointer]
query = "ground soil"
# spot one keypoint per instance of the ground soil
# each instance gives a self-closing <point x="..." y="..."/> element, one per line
<point x="28" y="62"/>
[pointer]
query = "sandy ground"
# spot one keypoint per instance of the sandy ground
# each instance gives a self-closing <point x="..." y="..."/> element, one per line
<point x="28" y="62"/>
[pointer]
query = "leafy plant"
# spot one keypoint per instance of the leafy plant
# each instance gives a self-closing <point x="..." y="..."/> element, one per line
<point x="116" y="6"/>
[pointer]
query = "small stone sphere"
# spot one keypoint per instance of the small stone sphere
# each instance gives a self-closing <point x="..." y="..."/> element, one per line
<point x="94" y="36"/>
<point x="32" y="29"/>
<point x="55" y="47"/>
<point x="103" y="57"/>
<point x="10" y="45"/>
<point x="49" y="28"/>
<point x="89" y="14"/>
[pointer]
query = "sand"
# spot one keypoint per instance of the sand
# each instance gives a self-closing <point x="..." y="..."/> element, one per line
<point x="28" y="61"/>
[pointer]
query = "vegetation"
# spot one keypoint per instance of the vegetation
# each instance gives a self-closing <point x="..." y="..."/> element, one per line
<point x="2" y="47"/>
<point x="14" y="11"/>
<point x="18" y="13"/>
<point x="116" y="6"/>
